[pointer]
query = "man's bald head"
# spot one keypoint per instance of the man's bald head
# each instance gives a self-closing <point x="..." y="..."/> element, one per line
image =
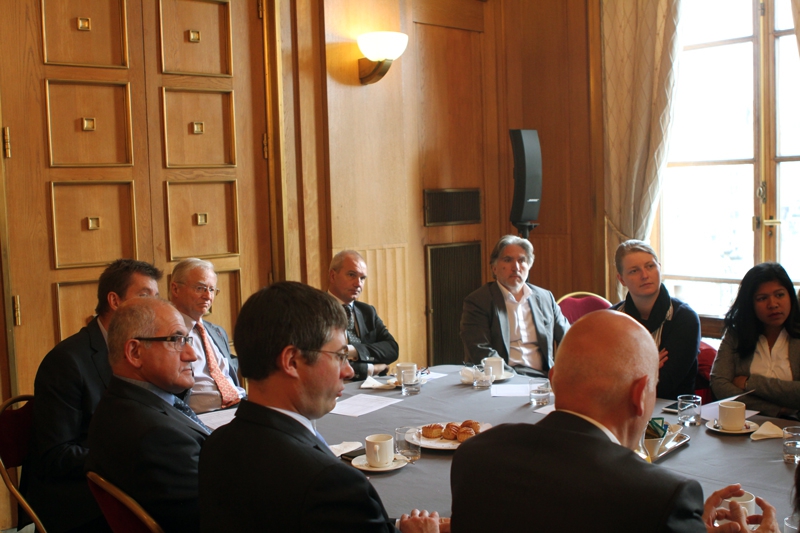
<point x="600" y="359"/>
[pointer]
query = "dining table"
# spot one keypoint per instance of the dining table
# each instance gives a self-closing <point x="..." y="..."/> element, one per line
<point x="712" y="458"/>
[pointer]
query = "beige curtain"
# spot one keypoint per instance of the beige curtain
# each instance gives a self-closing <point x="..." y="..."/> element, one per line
<point x="796" y="17"/>
<point x="639" y="54"/>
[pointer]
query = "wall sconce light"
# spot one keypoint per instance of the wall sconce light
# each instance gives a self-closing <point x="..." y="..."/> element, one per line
<point x="380" y="49"/>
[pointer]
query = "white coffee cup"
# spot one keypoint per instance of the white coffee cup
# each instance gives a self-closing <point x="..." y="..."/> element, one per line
<point x="380" y="450"/>
<point x="731" y="415"/>
<point x="496" y="364"/>
<point x="399" y="367"/>
<point x="746" y="500"/>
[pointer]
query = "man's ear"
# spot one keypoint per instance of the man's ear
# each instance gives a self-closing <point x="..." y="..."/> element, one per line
<point x="639" y="394"/>
<point x="289" y="360"/>
<point x="114" y="301"/>
<point x="133" y="353"/>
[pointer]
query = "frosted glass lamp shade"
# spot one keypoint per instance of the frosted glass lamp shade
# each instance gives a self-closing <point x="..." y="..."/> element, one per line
<point x="382" y="45"/>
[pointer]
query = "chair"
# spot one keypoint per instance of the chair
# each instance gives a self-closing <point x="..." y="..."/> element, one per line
<point x="576" y="304"/>
<point x="703" y="381"/>
<point x="16" y="426"/>
<point x="122" y="512"/>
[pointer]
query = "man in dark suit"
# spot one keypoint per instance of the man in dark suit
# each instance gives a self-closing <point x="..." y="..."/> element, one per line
<point x="142" y="438"/>
<point x="69" y="383"/>
<point x="292" y="349"/>
<point x="371" y="348"/>
<point x="192" y="289"/>
<point x="580" y="458"/>
<point x="510" y="317"/>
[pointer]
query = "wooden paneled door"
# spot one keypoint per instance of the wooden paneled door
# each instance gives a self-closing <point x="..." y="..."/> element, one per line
<point x="136" y="130"/>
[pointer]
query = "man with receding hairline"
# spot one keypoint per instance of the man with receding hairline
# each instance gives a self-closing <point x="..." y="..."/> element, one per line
<point x="580" y="457"/>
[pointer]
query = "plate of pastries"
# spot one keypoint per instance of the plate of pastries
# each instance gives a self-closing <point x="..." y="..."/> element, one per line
<point x="449" y="435"/>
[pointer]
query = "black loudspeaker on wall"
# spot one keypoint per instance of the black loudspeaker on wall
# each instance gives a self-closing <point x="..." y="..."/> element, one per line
<point x="527" y="180"/>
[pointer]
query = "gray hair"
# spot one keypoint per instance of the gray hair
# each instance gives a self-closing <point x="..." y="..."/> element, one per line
<point x="508" y="240"/>
<point x="338" y="259"/>
<point x="629" y="247"/>
<point x="136" y="317"/>
<point x="182" y="269"/>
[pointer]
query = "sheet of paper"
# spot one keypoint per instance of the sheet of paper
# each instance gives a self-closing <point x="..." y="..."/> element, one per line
<point x="361" y="404"/>
<point x="215" y="419"/>
<point x="711" y="411"/>
<point x="435" y="375"/>
<point x="511" y="390"/>
<point x="547" y="408"/>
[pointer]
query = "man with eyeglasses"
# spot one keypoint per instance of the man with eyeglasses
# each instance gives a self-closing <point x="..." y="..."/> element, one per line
<point x="371" y="348"/>
<point x="69" y="383"/>
<point x="293" y="351"/>
<point x="143" y="438"/>
<point x="192" y="289"/>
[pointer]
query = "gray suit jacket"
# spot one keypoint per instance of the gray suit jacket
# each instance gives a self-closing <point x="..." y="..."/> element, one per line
<point x="484" y="324"/>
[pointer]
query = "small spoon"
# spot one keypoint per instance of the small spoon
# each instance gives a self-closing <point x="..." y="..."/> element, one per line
<point x="716" y="424"/>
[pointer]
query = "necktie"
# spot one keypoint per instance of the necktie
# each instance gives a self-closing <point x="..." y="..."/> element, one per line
<point x="352" y="337"/>
<point x="320" y="437"/>
<point x="226" y="389"/>
<point x="181" y="406"/>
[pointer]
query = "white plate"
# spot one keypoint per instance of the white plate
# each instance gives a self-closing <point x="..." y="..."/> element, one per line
<point x="444" y="444"/>
<point x="393" y="381"/>
<point x="753" y="427"/>
<point x="361" y="463"/>
<point x="679" y="440"/>
<point x="506" y="376"/>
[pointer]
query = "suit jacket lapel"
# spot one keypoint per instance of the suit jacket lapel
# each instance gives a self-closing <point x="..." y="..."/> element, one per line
<point x="99" y="352"/>
<point x="541" y="334"/>
<point x="362" y="325"/>
<point x="258" y="414"/>
<point x="502" y="315"/>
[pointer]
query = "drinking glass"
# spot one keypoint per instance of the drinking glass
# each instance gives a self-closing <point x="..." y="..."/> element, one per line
<point x="540" y="391"/>
<point x="482" y="377"/>
<point x="791" y="445"/>
<point x="411" y="384"/>
<point x="790" y="524"/>
<point x="407" y="441"/>
<point x="689" y="409"/>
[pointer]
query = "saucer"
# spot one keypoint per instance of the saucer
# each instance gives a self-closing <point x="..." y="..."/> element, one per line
<point x="497" y="379"/>
<point x="361" y="463"/>
<point x="393" y="381"/>
<point x="743" y="431"/>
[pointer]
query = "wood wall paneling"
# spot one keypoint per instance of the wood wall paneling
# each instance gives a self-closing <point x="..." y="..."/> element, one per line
<point x="89" y="33"/>
<point x="206" y="26"/>
<point x="76" y="302"/>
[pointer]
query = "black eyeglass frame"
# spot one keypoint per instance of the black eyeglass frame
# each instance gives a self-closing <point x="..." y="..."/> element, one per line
<point x="178" y="341"/>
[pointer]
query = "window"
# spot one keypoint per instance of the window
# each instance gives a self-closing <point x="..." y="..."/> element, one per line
<point x="731" y="191"/>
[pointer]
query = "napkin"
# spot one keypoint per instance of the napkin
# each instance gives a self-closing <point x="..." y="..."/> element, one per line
<point x="768" y="430"/>
<point x="372" y="383"/>
<point x="339" y="449"/>
<point x="466" y="375"/>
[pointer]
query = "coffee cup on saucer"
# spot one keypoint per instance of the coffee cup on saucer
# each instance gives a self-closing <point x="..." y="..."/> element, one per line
<point x="731" y="415"/>
<point x="380" y="450"/>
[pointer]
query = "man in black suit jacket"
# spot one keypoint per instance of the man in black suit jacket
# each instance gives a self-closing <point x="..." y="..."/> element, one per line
<point x="68" y="385"/>
<point x="370" y="345"/>
<point x="292" y="349"/>
<point x="142" y="438"/>
<point x="575" y="470"/>
<point x="192" y="290"/>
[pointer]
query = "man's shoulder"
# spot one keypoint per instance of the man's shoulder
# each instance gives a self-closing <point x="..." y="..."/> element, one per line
<point x="75" y="351"/>
<point x="215" y="327"/>
<point x="485" y="291"/>
<point x="540" y="292"/>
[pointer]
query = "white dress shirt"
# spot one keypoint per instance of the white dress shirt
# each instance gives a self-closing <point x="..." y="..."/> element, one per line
<point x="772" y="363"/>
<point x="523" y="342"/>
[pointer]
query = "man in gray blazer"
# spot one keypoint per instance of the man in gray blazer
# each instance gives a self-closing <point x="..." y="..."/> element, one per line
<point x="192" y="289"/>
<point x="510" y="317"/>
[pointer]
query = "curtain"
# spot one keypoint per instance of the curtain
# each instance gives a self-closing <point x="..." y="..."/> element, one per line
<point x="796" y="17"/>
<point x="640" y="48"/>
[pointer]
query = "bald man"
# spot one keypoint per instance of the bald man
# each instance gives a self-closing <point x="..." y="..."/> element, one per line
<point x="575" y="470"/>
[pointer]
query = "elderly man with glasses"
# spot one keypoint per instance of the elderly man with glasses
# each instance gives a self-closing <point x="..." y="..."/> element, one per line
<point x="143" y="438"/>
<point x="192" y="289"/>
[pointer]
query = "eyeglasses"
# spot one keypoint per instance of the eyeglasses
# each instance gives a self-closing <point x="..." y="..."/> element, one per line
<point x="340" y="355"/>
<point x="202" y="289"/>
<point x="177" y="341"/>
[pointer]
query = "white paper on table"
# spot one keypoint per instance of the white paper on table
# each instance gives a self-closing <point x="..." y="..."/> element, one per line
<point x="361" y="404"/>
<point x="339" y="449"/>
<point x="435" y="375"/>
<point x="711" y="411"/>
<point x="215" y="419"/>
<point x="511" y="390"/>
<point x="372" y="383"/>
<point x="549" y="408"/>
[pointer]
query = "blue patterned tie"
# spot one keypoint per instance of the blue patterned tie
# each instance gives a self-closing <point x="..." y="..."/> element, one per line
<point x="352" y="338"/>
<point x="181" y="406"/>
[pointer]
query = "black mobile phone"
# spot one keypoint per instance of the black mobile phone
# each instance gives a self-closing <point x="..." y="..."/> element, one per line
<point x="353" y="454"/>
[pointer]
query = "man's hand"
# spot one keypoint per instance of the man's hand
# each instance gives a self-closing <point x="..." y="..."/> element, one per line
<point x="768" y="521"/>
<point x="662" y="358"/>
<point x="710" y="513"/>
<point x="378" y="368"/>
<point x="422" y="522"/>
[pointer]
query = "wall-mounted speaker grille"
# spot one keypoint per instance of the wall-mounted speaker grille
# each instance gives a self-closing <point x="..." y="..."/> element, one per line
<point x="450" y="207"/>
<point x="454" y="271"/>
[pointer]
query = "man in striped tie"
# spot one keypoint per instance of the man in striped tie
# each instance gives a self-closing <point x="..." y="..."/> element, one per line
<point x="192" y="289"/>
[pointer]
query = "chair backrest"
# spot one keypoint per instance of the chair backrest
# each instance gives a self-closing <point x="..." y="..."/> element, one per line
<point x="705" y="359"/>
<point x="122" y="512"/>
<point x="16" y="427"/>
<point x="576" y="304"/>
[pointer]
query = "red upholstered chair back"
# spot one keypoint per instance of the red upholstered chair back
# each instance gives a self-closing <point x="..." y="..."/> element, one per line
<point x="703" y="382"/>
<point x="576" y="304"/>
<point x="16" y="426"/>
<point x="122" y="512"/>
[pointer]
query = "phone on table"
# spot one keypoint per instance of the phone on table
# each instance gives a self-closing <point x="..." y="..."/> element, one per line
<point x="671" y="408"/>
<point x="349" y="456"/>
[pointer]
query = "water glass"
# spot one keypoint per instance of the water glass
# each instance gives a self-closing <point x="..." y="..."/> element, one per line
<point x="482" y="378"/>
<point x="540" y="391"/>
<point x="407" y="441"/>
<point x="790" y="524"/>
<point x="411" y="382"/>
<point x="791" y="445"/>
<point x="689" y="410"/>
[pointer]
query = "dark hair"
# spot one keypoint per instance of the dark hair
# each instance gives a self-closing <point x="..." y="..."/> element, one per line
<point x="284" y="314"/>
<point x="741" y="317"/>
<point x="116" y="278"/>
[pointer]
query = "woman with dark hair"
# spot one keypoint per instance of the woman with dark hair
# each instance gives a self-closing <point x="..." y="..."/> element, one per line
<point x="760" y="351"/>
